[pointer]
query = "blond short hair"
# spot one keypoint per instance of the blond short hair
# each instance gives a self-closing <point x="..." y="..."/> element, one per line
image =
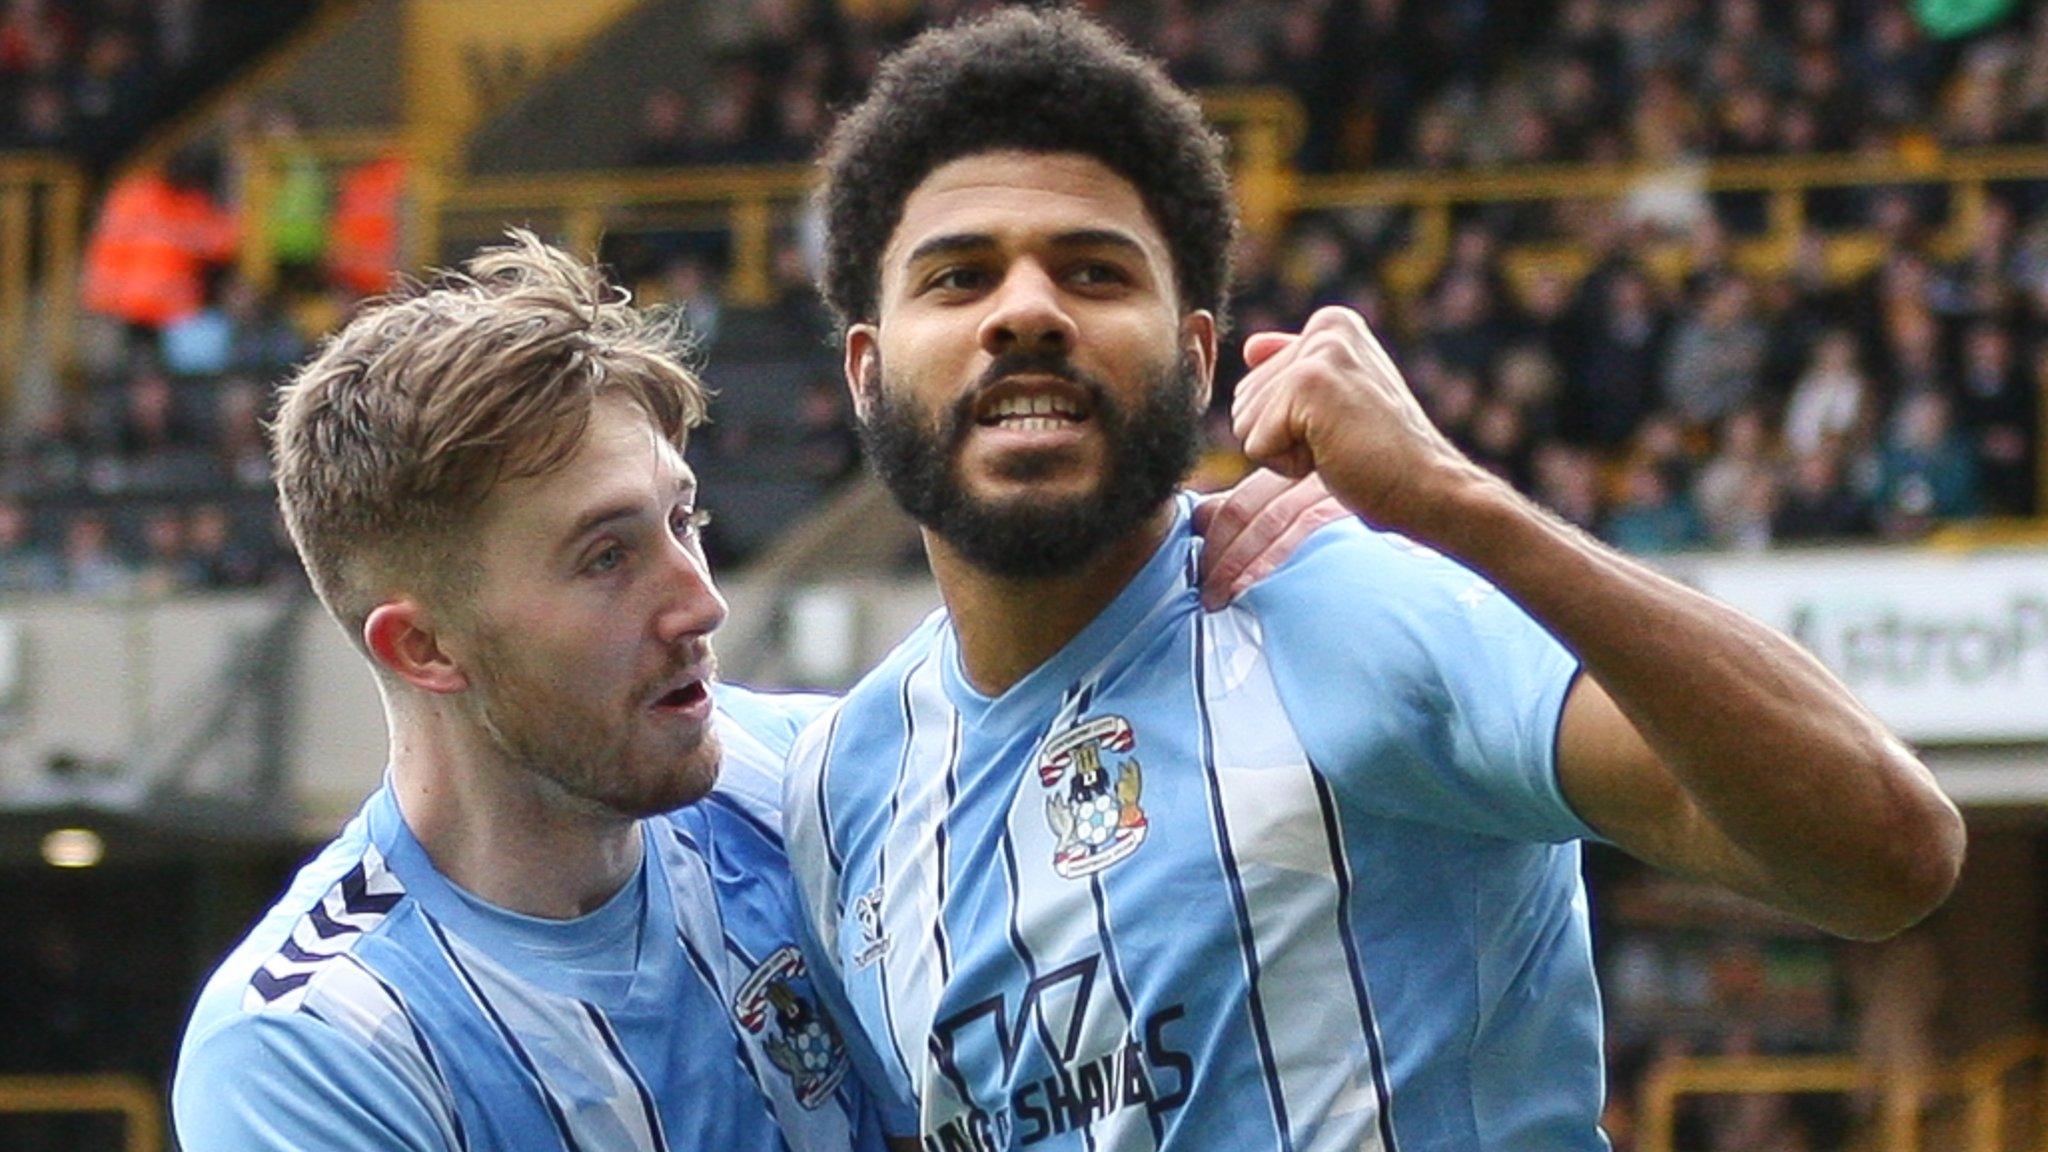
<point x="391" y="438"/>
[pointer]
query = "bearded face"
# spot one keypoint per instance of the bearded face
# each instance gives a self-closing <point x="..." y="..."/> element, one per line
<point x="1150" y="442"/>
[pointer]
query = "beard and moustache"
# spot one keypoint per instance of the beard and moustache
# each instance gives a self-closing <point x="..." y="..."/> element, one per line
<point x="546" y="727"/>
<point x="1151" y="446"/>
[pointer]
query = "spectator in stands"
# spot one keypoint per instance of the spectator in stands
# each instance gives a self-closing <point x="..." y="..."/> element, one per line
<point x="299" y="203"/>
<point x="1996" y="411"/>
<point x="1501" y="442"/>
<point x="689" y="285"/>
<point x="25" y="565"/>
<point x="1464" y="325"/>
<point x="1832" y="401"/>
<point x="151" y="420"/>
<point x="261" y="340"/>
<point x="239" y="442"/>
<point x="791" y="281"/>
<point x="1926" y="471"/>
<point x="1894" y="65"/>
<point x="825" y="435"/>
<point x="165" y="567"/>
<point x="662" y="138"/>
<point x="363" y="253"/>
<point x="1912" y="344"/>
<point x="1654" y="515"/>
<point x="91" y="565"/>
<point x="42" y="118"/>
<point x="196" y="345"/>
<point x="800" y="121"/>
<point x="1568" y="483"/>
<point x="157" y="235"/>
<point x="1613" y="360"/>
<point x="1817" y="502"/>
<point x="1716" y="353"/>
<point x="35" y="37"/>
<point x="1736" y="492"/>
<point x="1983" y="282"/>
<point x="217" y="557"/>
<point x="111" y="82"/>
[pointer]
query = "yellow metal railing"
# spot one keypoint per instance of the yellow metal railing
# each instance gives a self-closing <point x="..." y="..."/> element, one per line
<point x="747" y="202"/>
<point x="129" y="1097"/>
<point x="1786" y="183"/>
<point x="42" y="200"/>
<point x="1980" y="1084"/>
<point x="1264" y="128"/>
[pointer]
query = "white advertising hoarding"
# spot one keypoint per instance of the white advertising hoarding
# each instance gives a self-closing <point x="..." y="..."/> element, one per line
<point x="1946" y="647"/>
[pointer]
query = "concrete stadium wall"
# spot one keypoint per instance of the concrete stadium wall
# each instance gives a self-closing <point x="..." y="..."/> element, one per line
<point x="1926" y="638"/>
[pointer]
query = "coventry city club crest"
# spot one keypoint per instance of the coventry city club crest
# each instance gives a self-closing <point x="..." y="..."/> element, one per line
<point x="775" y="1006"/>
<point x="1092" y="781"/>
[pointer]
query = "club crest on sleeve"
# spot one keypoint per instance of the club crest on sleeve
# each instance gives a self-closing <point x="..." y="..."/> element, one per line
<point x="1092" y="780"/>
<point x="874" y="941"/>
<point x="775" y="1005"/>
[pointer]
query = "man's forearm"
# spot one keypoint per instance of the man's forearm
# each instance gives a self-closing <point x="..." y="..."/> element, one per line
<point x="1844" y="821"/>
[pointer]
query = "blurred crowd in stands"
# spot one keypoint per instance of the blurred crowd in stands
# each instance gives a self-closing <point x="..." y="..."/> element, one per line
<point x="1713" y="407"/>
<point x="1718" y="408"/>
<point x="83" y="77"/>
<point x="1701" y="401"/>
<point x="1443" y="86"/>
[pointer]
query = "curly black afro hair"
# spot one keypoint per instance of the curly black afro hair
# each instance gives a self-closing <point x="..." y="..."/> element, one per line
<point x="1029" y="81"/>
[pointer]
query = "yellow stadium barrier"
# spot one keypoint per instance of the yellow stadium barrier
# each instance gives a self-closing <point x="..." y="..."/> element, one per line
<point x="42" y="200"/>
<point x="1979" y="1084"/>
<point x="129" y="1097"/>
<point x="1264" y="127"/>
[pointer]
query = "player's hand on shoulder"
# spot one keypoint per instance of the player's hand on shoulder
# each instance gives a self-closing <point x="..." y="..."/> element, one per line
<point x="1330" y="400"/>
<point x="1251" y="528"/>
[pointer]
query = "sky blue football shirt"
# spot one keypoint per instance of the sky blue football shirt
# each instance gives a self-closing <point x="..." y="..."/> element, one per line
<point x="1295" y="875"/>
<point x="378" y="1006"/>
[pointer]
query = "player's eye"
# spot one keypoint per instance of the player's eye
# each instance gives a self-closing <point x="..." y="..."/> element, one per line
<point x="609" y="558"/>
<point x="958" y="278"/>
<point x="1099" y="274"/>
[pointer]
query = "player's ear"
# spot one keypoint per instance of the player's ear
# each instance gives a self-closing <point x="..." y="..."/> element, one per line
<point x="1198" y="345"/>
<point x="862" y="366"/>
<point x="401" y="637"/>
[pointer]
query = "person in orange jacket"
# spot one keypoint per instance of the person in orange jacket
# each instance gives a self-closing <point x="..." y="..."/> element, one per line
<point x="158" y="233"/>
<point x="363" y="240"/>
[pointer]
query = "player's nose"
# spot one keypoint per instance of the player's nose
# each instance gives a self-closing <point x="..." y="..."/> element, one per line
<point x="691" y="604"/>
<point x="1027" y="313"/>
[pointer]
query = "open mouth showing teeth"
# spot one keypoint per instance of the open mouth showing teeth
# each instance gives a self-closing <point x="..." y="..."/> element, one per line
<point x="1040" y="413"/>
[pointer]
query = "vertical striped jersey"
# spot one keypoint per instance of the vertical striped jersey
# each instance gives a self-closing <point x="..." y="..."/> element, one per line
<point x="379" y="1006"/>
<point x="1295" y="875"/>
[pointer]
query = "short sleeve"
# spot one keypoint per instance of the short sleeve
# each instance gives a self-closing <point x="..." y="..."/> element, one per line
<point x="288" y="1082"/>
<point x="1425" y="692"/>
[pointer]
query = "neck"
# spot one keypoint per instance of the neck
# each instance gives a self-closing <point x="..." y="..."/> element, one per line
<point x="1009" y="626"/>
<point x="501" y="833"/>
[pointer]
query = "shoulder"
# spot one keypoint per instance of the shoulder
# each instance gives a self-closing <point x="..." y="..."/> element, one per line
<point x="773" y="718"/>
<point x="343" y="896"/>
<point x="755" y="731"/>
<point x="302" y="1082"/>
<point x="1350" y="567"/>
<point x="293" y="1015"/>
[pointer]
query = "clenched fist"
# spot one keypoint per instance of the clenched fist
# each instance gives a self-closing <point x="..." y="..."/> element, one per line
<point x="1330" y="400"/>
